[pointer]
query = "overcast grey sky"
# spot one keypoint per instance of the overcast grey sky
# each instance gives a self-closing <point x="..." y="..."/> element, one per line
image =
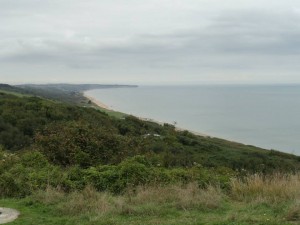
<point x="150" y="41"/>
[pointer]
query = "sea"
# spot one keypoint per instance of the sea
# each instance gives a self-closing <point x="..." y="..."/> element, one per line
<point x="266" y="116"/>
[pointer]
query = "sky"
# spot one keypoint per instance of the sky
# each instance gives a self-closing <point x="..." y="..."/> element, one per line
<point x="150" y="41"/>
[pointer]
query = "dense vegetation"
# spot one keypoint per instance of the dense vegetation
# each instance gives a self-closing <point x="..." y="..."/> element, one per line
<point x="44" y="141"/>
<point x="55" y="154"/>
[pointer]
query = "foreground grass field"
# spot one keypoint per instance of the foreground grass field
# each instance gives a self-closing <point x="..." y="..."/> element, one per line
<point x="251" y="200"/>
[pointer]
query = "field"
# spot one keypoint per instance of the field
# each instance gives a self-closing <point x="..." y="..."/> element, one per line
<point x="253" y="200"/>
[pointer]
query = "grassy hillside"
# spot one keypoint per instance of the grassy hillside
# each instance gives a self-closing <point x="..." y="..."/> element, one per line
<point x="271" y="200"/>
<point x="56" y="155"/>
<point x="51" y="127"/>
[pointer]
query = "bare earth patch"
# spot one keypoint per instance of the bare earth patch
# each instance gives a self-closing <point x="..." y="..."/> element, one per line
<point x="8" y="215"/>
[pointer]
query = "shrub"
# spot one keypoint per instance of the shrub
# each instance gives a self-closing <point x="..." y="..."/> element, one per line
<point x="29" y="171"/>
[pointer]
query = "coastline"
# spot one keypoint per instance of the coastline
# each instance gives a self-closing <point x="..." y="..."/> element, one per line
<point x="106" y="107"/>
<point x="96" y="102"/>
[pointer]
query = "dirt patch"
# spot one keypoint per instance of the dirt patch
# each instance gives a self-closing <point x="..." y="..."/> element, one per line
<point x="8" y="215"/>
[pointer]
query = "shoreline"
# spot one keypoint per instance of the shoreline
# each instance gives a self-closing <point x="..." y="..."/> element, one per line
<point x="106" y="107"/>
<point x="96" y="102"/>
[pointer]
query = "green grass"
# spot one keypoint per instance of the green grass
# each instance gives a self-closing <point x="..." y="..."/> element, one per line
<point x="231" y="213"/>
<point x="32" y="214"/>
<point x="165" y="205"/>
<point x="112" y="113"/>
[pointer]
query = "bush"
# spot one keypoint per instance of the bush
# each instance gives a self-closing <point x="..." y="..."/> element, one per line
<point x="29" y="171"/>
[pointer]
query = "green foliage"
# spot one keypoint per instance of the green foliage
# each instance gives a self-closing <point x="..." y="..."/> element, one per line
<point x="131" y="172"/>
<point x="22" y="174"/>
<point x="50" y="143"/>
<point x="139" y="171"/>
<point x="72" y="143"/>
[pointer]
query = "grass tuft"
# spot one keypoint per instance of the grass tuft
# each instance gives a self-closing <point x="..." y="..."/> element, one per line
<point x="293" y="213"/>
<point x="87" y="201"/>
<point x="49" y="196"/>
<point x="182" y="197"/>
<point x="266" y="189"/>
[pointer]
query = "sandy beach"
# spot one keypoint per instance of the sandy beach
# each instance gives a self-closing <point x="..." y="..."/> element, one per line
<point x="104" y="106"/>
<point x="97" y="102"/>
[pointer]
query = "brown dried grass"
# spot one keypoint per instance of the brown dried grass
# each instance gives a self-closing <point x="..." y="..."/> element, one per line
<point x="183" y="197"/>
<point x="271" y="188"/>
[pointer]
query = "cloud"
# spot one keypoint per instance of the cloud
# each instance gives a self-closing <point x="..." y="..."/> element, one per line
<point x="169" y="37"/>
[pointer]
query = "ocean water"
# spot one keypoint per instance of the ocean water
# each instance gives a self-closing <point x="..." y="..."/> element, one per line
<point x="264" y="116"/>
